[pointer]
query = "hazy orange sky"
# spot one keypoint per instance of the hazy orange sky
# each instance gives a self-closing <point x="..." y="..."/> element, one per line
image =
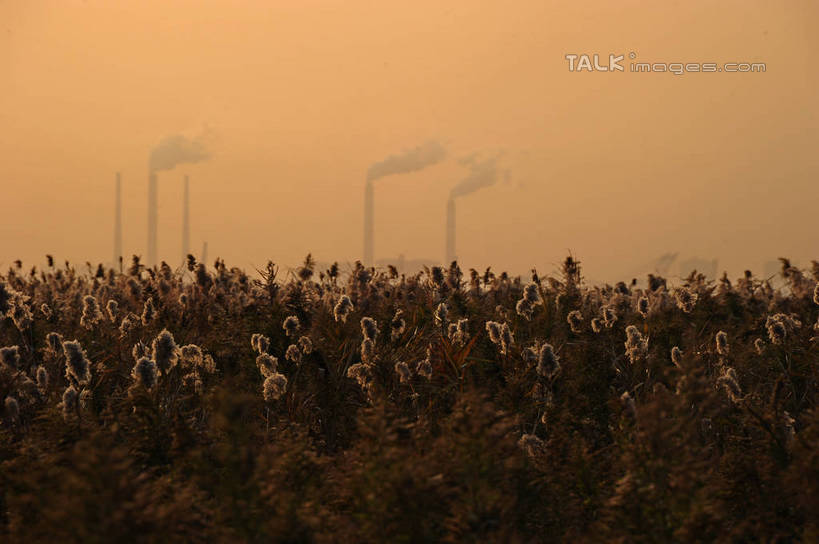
<point x="304" y="96"/>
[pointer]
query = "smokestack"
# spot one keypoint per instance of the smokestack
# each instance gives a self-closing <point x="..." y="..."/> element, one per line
<point x="369" y="231"/>
<point x="449" y="255"/>
<point x="186" y="223"/>
<point x="118" y="221"/>
<point x="153" y="210"/>
<point x="204" y="258"/>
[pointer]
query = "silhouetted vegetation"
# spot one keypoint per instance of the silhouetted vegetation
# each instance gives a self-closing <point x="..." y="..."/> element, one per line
<point x="201" y="404"/>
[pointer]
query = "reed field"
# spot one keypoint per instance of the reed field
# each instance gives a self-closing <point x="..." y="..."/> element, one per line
<point x="352" y="404"/>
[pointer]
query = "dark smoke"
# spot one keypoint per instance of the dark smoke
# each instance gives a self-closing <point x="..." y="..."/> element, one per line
<point x="410" y="161"/>
<point x="483" y="173"/>
<point x="178" y="149"/>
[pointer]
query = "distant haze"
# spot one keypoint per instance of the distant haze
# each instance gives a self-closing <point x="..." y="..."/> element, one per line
<point x="310" y="99"/>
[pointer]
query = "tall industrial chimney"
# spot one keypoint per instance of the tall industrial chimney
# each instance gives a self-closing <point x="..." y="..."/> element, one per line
<point x="186" y="224"/>
<point x="117" y="222"/>
<point x="153" y="210"/>
<point x="450" y="232"/>
<point x="204" y="257"/>
<point x="369" y="231"/>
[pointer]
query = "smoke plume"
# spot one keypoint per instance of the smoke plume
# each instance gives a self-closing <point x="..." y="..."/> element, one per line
<point x="483" y="173"/>
<point x="178" y="149"/>
<point x="412" y="160"/>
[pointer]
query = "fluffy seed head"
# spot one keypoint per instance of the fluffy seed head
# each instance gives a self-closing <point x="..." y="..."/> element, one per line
<point x="636" y="345"/>
<point x="306" y="345"/>
<point x="260" y="343"/>
<point x="267" y="364"/>
<point x="77" y="365"/>
<point x="441" y="313"/>
<point x="274" y="387"/>
<point x="69" y="404"/>
<point x="398" y="325"/>
<point x="148" y="311"/>
<point x="686" y="299"/>
<point x="91" y="314"/>
<point x="722" y="343"/>
<point x="548" y="363"/>
<point x="293" y="353"/>
<point x="54" y="341"/>
<point x="494" y="330"/>
<point x="192" y="355"/>
<point x="145" y="372"/>
<point x="369" y="327"/>
<point x="164" y="351"/>
<point x="42" y="378"/>
<point x="575" y="319"/>
<point x="676" y="356"/>
<point x="642" y="306"/>
<point x="113" y="310"/>
<point x="10" y="357"/>
<point x="342" y="308"/>
<point x="291" y="325"/>
<point x="596" y="325"/>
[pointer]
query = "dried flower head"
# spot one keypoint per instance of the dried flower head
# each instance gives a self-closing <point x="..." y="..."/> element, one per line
<point x="260" y="343"/>
<point x="274" y="387"/>
<point x="69" y="404"/>
<point x="77" y="365"/>
<point x="548" y="363"/>
<point x="45" y="309"/>
<point x="54" y="342"/>
<point x="293" y="353"/>
<point x="398" y="325"/>
<point x="267" y="364"/>
<point x="609" y="317"/>
<point x="20" y="313"/>
<point x="367" y="350"/>
<point x="642" y="306"/>
<point x="91" y="313"/>
<point x="529" y="355"/>
<point x="148" y="311"/>
<point x="686" y="299"/>
<point x="494" y="330"/>
<point x="730" y="384"/>
<point x="113" y="310"/>
<point x="10" y="357"/>
<point x="291" y="325"/>
<point x="722" y="343"/>
<point x="575" y="319"/>
<point x="531" y="294"/>
<point x="525" y="309"/>
<point x="636" y="345"/>
<point x="441" y="313"/>
<point x="42" y="378"/>
<point x="191" y="355"/>
<point x="369" y="327"/>
<point x="596" y="325"/>
<point x="676" y="356"/>
<point x="759" y="345"/>
<point x="361" y="373"/>
<point x="306" y="345"/>
<point x="164" y="351"/>
<point x="343" y="308"/>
